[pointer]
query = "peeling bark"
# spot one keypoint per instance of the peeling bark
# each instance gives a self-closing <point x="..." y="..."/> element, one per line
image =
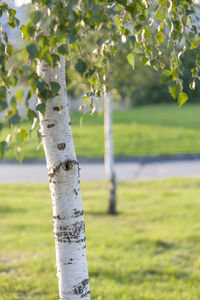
<point x="64" y="183"/>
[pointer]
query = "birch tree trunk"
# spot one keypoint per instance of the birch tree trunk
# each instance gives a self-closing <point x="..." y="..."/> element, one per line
<point x="108" y="153"/>
<point x="64" y="183"/>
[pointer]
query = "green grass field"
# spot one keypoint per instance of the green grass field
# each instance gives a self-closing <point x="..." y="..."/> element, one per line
<point x="147" y="130"/>
<point x="149" y="251"/>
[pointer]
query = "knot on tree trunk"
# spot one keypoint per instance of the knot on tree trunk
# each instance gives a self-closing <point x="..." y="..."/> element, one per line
<point x="66" y="166"/>
<point x="61" y="146"/>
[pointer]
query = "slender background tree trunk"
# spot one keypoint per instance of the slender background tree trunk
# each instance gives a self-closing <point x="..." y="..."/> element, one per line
<point x="64" y="183"/>
<point x="108" y="154"/>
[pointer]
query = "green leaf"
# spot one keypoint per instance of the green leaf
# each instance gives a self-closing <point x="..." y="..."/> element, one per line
<point x="31" y="29"/>
<point x="92" y="80"/>
<point x="12" y="12"/>
<point x="2" y="93"/>
<point x="3" y="105"/>
<point x="55" y="59"/>
<point x="131" y="60"/>
<point x="9" y="50"/>
<point x="26" y="69"/>
<point x="14" y="119"/>
<point x="36" y="16"/>
<point x="28" y="31"/>
<point x="3" y="147"/>
<point x="13" y="103"/>
<point x="160" y="14"/>
<point x="193" y="45"/>
<point x="39" y="136"/>
<point x="31" y="114"/>
<point x="174" y="89"/>
<point x="100" y="41"/>
<point x="166" y="76"/>
<point x="19" y="95"/>
<point x="132" y="9"/>
<point x="182" y="98"/>
<point x="51" y="59"/>
<point x="63" y="49"/>
<point x="24" y="31"/>
<point x="48" y="58"/>
<point x="21" y="136"/>
<point x="144" y="60"/>
<point x="92" y="108"/>
<point x="118" y="23"/>
<point x="32" y="50"/>
<point x="55" y="87"/>
<point x="72" y="38"/>
<point x="160" y="37"/>
<point x="11" y="23"/>
<point x="41" y="108"/>
<point x="81" y="66"/>
<point x="12" y="80"/>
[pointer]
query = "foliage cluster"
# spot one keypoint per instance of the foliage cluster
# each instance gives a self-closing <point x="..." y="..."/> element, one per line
<point x="58" y="28"/>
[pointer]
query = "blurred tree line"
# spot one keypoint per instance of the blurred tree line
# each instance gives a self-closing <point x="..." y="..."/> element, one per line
<point x="138" y="86"/>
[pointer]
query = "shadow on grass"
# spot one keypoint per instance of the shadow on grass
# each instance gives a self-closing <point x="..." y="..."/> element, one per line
<point x="154" y="246"/>
<point x="100" y="213"/>
<point x="141" y="276"/>
<point x="6" y="269"/>
<point x="9" y="210"/>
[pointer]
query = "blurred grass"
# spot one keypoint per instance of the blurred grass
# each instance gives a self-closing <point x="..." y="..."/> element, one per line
<point x="145" y="130"/>
<point x="149" y="251"/>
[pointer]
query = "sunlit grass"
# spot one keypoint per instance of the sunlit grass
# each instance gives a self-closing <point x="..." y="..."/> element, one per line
<point x="149" y="251"/>
<point x="147" y="130"/>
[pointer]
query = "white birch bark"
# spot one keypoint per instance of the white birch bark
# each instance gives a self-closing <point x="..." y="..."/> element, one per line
<point x="64" y="183"/>
<point x="108" y="153"/>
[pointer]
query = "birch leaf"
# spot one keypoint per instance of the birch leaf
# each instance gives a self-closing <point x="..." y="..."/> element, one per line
<point x="131" y="60"/>
<point x="182" y="98"/>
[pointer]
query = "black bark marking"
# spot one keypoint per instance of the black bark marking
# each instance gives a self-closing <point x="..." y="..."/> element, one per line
<point x="62" y="237"/>
<point x="46" y="120"/>
<point x="71" y="234"/>
<point x="78" y="213"/>
<point x="61" y="146"/>
<point x="70" y="262"/>
<point x="67" y="165"/>
<point x="82" y="288"/>
<point x="57" y="108"/>
<point x="85" y="295"/>
<point x="75" y="191"/>
<point x="50" y="125"/>
<point x="57" y="217"/>
<point x="70" y="123"/>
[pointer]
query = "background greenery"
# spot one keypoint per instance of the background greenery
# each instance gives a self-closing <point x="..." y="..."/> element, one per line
<point x="145" y="130"/>
<point x="138" y="86"/>
<point x="152" y="252"/>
